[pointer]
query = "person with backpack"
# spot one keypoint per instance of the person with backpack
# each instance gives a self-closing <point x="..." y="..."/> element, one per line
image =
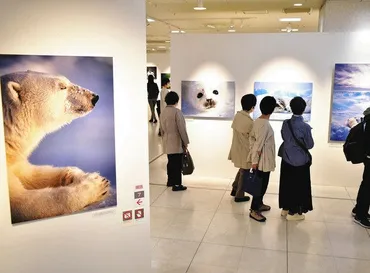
<point x="357" y="148"/>
<point x="295" y="197"/>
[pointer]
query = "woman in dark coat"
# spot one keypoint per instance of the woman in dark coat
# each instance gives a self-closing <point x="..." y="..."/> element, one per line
<point x="153" y="92"/>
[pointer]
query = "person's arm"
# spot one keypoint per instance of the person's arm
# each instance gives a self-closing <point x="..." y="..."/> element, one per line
<point x="258" y="140"/>
<point x="308" y="139"/>
<point x="181" y="126"/>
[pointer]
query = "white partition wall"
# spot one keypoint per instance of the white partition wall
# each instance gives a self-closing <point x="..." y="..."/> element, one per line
<point x="248" y="58"/>
<point x="99" y="241"/>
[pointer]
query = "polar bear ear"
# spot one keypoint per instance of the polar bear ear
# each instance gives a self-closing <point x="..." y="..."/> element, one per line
<point x="14" y="89"/>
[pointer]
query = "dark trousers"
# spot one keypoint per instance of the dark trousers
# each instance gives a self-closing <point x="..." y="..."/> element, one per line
<point x="257" y="201"/>
<point x="152" y="103"/>
<point x="363" y="196"/>
<point x="238" y="184"/>
<point x="174" y="168"/>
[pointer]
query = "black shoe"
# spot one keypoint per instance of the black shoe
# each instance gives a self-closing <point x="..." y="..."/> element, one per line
<point x="242" y="199"/>
<point x="233" y="192"/>
<point x="159" y="134"/>
<point x="179" y="188"/>
<point x="155" y="121"/>
<point x="150" y="120"/>
<point x="354" y="214"/>
<point x="364" y="222"/>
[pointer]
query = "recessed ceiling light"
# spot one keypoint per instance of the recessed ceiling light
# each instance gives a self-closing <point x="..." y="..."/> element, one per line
<point x="289" y="29"/>
<point x="162" y="47"/>
<point x="175" y="31"/>
<point x="200" y="6"/>
<point x="211" y="26"/>
<point x="150" y="20"/>
<point x="298" y="5"/>
<point x="231" y="30"/>
<point x="153" y="49"/>
<point x="168" y="41"/>
<point x="290" y="19"/>
<point x="182" y="31"/>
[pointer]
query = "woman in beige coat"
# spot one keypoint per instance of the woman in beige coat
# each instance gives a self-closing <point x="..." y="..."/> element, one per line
<point x="262" y="154"/>
<point x="242" y="127"/>
<point x="175" y="140"/>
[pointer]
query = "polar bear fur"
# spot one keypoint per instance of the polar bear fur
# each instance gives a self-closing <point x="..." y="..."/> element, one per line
<point x="34" y="105"/>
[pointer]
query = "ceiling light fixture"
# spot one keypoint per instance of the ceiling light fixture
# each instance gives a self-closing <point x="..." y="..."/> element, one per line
<point x="231" y="29"/>
<point x="177" y="31"/>
<point x="298" y="5"/>
<point x="150" y="20"/>
<point x="211" y="26"/>
<point x="290" y="19"/>
<point x="200" y="6"/>
<point x="162" y="47"/>
<point x="168" y="41"/>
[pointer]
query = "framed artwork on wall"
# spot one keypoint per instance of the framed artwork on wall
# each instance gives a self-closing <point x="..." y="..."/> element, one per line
<point x="283" y="92"/>
<point x="351" y="97"/>
<point x="208" y="100"/>
<point x="59" y="131"/>
<point x="151" y="70"/>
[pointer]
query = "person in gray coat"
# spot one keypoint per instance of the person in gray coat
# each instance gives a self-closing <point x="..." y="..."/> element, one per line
<point x="175" y="140"/>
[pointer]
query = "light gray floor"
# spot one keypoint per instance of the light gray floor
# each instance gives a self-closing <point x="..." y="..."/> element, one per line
<point x="203" y="231"/>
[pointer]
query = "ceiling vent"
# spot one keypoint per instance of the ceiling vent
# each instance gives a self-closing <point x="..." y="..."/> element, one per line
<point x="297" y="10"/>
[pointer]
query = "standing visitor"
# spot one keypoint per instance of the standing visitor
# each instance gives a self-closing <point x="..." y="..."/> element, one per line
<point x="175" y="140"/>
<point x="295" y="196"/>
<point x="153" y="92"/>
<point x="166" y="85"/>
<point x="361" y="210"/>
<point x="242" y="126"/>
<point x="262" y="155"/>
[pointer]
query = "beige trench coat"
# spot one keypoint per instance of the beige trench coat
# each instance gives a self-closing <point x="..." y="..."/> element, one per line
<point x="262" y="140"/>
<point x="239" y="151"/>
<point x="174" y="132"/>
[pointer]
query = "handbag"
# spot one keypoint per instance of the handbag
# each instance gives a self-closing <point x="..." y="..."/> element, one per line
<point x="252" y="182"/>
<point x="300" y="144"/>
<point x="187" y="163"/>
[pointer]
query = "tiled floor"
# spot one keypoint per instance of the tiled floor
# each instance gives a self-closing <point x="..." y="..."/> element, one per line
<point x="203" y="230"/>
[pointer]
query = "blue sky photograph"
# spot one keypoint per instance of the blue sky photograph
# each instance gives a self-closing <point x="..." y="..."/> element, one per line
<point x="351" y="96"/>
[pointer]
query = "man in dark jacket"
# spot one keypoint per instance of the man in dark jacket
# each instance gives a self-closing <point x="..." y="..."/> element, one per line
<point x="153" y="92"/>
<point x="361" y="210"/>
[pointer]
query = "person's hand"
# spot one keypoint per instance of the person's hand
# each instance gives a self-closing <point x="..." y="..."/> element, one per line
<point x="254" y="166"/>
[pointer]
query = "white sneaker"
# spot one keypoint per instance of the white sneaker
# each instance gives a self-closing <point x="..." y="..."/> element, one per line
<point x="284" y="213"/>
<point x="295" y="217"/>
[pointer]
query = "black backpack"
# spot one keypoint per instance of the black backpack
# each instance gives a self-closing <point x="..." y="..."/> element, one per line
<point x="354" y="147"/>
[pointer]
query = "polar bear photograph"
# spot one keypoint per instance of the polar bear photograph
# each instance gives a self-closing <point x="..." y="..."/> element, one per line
<point x="58" y="122"/>
<point x="208" y="99"/>
<point x="283" y="92"/>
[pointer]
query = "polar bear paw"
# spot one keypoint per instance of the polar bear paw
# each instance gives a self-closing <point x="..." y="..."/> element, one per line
<point x="72" y="175"/>
<point x="94" y="188"/>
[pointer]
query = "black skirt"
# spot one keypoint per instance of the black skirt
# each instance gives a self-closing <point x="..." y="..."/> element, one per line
<point x="295" y="188"/>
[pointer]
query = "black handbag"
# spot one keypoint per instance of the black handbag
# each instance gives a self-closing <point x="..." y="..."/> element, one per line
<point x="300" y="144"/>
<point x="252" y="182"/>
<point x="187" y="163"/>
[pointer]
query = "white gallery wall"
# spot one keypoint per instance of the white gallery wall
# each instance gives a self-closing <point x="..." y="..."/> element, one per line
<point x="248" y="58"/>
<point x="99" y="241"/>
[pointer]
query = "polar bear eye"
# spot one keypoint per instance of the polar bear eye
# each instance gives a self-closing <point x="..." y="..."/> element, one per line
<point x="200" y="95"/>
<point x="215" y="92"/>
<point x="62" y="86"/>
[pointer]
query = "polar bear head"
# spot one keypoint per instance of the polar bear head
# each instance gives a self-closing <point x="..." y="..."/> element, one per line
<point x="43" y="101"/>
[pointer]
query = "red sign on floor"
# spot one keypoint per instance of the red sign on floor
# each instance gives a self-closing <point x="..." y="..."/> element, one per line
<point x="139" y="213"/>
<point x="127" y="215"/>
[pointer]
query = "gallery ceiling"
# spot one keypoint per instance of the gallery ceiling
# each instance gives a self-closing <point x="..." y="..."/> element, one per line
<point x="227" y="16"/>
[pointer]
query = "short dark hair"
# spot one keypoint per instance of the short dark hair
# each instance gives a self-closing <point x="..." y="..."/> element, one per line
<point x="150" y="78"/>
<point x="165" y="81"/>
<point x="268" y="105"/>
<point x="298" y="105"/>
<point x="171" y="98"/>
<point x="248" y="102"/>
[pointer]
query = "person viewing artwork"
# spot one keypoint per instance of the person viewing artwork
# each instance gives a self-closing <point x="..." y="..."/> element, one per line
<point x="295" y="197"/>
<point x="175" y="140"/>
<point x="166" y="85"/>
<point x="242" y="126"/>
<point x="361" y="211"/>
<point x="262" y="155"/>
<point x="153" y="92"/>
